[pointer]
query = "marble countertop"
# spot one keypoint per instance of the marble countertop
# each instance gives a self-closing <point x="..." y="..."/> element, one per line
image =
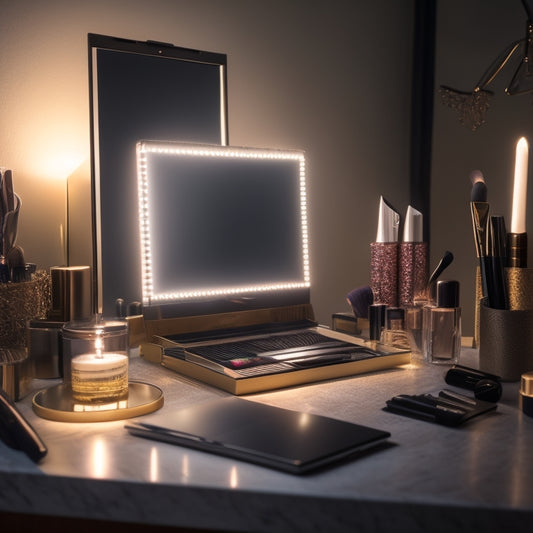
<point x="432" y="477"/>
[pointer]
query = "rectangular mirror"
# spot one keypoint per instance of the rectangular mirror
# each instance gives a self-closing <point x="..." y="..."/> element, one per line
<point x="222" y="227"/>
<point x="141" y="90"/>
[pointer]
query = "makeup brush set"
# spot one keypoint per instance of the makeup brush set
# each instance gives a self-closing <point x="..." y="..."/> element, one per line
<point x="12" y="263"/>
<point x="448" y="407"/>
<point x="504" y="283"/>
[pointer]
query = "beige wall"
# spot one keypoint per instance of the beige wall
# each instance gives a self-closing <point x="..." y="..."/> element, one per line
<point x="331" y="77"/>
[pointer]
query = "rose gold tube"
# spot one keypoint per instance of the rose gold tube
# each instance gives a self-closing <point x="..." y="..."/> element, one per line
<point x="384" y="272"/>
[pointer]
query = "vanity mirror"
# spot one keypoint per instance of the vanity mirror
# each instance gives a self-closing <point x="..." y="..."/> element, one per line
<point x="222" y="228"/>
<point x="140" y="90"/>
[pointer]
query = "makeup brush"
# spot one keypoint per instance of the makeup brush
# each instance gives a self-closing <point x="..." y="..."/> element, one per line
<point x="479" y="187"/>
<point x="444" y="263"/>
<point x="16" y="263"/>
<point x="479" y="209"/>
<point x="359" y="300"/>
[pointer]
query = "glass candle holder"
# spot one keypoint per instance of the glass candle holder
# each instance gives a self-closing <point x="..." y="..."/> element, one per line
<point x="95" y="359"/>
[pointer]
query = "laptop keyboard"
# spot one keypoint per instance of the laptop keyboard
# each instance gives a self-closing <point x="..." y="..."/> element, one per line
<point x="270" y="354"/>
<point x="269" y="347"/>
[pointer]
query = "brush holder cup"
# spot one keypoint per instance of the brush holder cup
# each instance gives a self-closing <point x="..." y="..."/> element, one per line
<point x="505" y="341"/>
<point x="519" y="283"/>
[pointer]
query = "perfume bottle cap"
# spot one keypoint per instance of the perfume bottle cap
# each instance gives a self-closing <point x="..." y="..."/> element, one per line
<point x="376" y="316"/>
<point x="448" y="293"/>
<point x="395" y="316"/>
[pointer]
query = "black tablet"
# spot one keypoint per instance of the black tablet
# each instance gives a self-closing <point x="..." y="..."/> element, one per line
<point x="279" y="438"/>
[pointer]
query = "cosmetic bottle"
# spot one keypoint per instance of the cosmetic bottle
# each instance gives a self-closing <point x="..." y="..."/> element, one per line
<point x="442" y="325"/>
<point x="376" y="318"/>
<point x="394" y="332"/>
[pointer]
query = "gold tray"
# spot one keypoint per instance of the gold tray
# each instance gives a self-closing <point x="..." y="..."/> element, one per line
<point x="56" y="403"/>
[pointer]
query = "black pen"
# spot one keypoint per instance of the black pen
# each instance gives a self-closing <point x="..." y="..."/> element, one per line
<point x="426" y="410"/>
<point x="496" y="253"/>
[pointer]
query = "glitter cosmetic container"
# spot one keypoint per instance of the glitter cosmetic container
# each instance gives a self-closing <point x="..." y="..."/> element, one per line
<point x="412" y="261"/>
<point x="384" y="256"/>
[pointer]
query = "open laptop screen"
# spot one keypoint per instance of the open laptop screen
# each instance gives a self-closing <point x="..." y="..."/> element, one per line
<point x="221" y="222"/>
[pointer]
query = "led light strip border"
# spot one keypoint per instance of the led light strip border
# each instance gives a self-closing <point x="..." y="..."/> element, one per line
<point x="145" y="148"/>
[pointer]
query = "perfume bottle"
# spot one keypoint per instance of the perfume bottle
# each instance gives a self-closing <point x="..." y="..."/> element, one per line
<point x="442" y="325"/>
<point x="394" y="333"/>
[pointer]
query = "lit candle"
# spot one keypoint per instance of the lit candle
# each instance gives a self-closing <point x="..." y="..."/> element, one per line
<point x="518" y="218"/>
<point x="99" y="377"/>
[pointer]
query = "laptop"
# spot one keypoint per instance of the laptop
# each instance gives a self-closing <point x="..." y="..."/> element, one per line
<point x="226" y="272"/>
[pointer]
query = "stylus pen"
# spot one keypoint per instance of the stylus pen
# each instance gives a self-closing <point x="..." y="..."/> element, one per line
<point x="496" y="255"/>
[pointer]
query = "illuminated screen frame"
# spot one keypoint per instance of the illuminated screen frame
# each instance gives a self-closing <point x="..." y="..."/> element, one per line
<point x="146" y="150"/>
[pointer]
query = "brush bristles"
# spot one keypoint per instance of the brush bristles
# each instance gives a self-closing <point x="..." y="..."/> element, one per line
<point x="479" y="192"/>
<point x="359" y="300"/>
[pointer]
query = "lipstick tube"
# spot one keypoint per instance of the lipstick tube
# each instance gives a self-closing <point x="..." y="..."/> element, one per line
<point x="412" y="272"/>
<point x="413" y="261"/>
<point x="384" y="256"/>
<point x="384" y="272"/>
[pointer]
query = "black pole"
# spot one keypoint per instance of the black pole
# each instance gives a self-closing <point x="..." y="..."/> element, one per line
<point x="422" y="108"/>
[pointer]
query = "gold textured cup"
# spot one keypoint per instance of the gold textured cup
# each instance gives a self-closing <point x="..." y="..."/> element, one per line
<point x="519" y="288"/>
<point x="519" y="283"/>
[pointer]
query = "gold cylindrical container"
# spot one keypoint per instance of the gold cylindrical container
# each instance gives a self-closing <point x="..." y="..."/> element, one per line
<point x="478" y="298"/>
<point x="519" y="288"/>
<point x="16" y="372"/>
<point x="517" y="250"/>
<point x="526" y="393"/>
<point x="71" y="293"/>
<point x="19" y="303"/>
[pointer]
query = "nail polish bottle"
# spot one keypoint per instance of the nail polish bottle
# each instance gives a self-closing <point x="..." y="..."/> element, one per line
<point x="442" y="325"/>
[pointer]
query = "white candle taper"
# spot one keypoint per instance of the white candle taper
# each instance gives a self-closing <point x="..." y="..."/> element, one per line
<point x="518" y="218"/>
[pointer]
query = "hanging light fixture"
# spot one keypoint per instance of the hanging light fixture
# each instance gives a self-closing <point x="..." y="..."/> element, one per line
<point x="472" y="106"/>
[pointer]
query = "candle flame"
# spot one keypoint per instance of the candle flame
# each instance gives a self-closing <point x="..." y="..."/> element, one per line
<point x="98" y="344"/>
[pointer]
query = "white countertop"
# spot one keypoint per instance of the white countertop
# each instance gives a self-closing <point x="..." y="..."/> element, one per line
<point x="477" y="475"/>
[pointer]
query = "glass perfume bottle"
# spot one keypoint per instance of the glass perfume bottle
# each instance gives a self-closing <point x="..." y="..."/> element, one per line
<point x="394" y="333"/>
<point x="442" y="325"/>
